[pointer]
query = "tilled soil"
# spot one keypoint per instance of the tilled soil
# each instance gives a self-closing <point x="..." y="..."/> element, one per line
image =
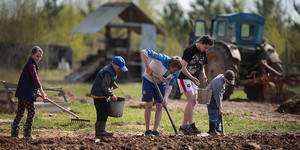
<point x="253" y="141"/>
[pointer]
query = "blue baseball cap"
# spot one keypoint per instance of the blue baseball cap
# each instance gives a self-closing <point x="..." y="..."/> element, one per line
<point x="119" y="61"/>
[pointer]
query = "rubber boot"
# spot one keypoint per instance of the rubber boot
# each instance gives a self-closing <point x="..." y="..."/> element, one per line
<point x="14" y="130"/>
<point x="27" y="131"/>
<point x="212" y="128"/>
<point x="100" y="130"/>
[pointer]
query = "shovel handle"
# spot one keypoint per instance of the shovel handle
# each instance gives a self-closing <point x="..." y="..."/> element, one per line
<point x="62" y="108"/>
<point x="222" y="124"/>
<point x="161" y="97"/>
<point x="157" y="88"/>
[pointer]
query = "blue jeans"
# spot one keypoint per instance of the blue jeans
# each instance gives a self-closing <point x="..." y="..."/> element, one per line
<point x="213" y="112"/>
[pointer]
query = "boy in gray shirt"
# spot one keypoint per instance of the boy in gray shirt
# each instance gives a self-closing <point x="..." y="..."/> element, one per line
<point x="218" y="85"/>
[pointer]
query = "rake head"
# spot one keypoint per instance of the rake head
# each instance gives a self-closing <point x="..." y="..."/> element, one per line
<point x="79" y="120"/>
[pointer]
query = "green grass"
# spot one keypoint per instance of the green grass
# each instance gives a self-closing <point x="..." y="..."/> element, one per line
<point x="238" y="94"/>
<point x="132" y="119"/>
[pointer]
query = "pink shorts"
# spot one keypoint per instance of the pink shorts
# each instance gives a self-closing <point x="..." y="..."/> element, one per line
<point x="187" y="85"/>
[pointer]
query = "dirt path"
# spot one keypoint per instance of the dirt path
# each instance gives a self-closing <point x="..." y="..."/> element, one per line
<point x="253" y="110"/>
<point x="260" y="111"/>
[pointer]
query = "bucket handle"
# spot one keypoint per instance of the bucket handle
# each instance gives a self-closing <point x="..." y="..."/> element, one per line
<point x="121" y="91"/>
<point x="204" y="85"/>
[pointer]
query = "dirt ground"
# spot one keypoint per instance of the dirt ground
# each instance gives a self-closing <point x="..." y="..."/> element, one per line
<point x="82" y="142"/>
<point x="58" y="139"/>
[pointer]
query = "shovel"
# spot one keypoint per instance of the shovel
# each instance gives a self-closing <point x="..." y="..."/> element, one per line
<point x="222" y="125"/>
<point x="161" y="97"/>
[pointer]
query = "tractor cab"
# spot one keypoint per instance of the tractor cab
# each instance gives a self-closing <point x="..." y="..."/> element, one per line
<point x="241" y="29"/>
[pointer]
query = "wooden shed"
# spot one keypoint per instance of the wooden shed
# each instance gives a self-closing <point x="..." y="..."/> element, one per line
<point x="133" y="19"/>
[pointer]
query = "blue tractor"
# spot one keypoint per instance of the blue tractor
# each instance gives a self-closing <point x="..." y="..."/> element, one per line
<point x="241" y="47"/>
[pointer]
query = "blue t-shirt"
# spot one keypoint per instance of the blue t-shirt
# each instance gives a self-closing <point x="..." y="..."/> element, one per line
<point x="160" y="67"/>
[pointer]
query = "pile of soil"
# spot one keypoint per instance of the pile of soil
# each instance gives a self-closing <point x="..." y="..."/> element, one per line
<point x="67" y="94"/>
<point x="252" y="141"/>
<point x="290" y="106"/>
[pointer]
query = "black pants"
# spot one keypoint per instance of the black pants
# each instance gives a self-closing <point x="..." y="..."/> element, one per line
<point x="102" y="109"/>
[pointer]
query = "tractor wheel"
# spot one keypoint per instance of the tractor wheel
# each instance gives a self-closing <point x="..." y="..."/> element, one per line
<point x="220" y="60"/>
<point x="267" y="92"/>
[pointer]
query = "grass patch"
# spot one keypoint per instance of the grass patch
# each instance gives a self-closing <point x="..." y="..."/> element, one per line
<point x="295" y="89"/>
<point x="238" y="94"/>
<point x="247" y="113"/>
<point x="133" y="120"/>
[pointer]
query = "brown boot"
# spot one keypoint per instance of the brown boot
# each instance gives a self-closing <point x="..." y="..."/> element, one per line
<point x="100" y="130"/>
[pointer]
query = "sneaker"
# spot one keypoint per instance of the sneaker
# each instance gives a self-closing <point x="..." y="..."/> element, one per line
<point x="148" y="133"/>
<point x="219" y="130"/>
<point x="194" y="129"/>
<point x="156" y="133"/>
<point x="185" y="129"/>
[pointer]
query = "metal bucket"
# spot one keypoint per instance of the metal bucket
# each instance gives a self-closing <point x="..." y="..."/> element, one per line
<point x="116" y="107"/>
<point x="204" y="96"/>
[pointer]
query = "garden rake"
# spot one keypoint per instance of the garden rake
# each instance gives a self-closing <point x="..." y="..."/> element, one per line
<point x="161" y="97"/>
<point x="77" y="120"/>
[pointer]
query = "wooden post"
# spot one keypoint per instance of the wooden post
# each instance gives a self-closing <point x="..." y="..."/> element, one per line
<point x="8" y="96"/>
<point x="107" y="38"/>
<point x="287" y="57"/>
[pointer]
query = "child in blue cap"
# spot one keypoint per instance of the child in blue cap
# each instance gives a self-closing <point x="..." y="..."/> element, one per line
<point x="101" y="91"/>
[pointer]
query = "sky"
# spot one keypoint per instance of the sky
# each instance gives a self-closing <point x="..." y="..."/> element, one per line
<point x="287" y="4"/>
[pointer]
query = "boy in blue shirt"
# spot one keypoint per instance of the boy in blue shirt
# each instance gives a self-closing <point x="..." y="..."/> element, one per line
<point x="101" y="90"/>
<point x="165" y="71"/>
<point x="218" y="85"/>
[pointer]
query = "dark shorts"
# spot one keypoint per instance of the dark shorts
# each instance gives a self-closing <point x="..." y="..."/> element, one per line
<point x="149" y="91"/>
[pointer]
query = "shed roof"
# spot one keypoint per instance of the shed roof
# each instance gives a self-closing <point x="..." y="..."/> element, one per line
<point x="104" y="14"/>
